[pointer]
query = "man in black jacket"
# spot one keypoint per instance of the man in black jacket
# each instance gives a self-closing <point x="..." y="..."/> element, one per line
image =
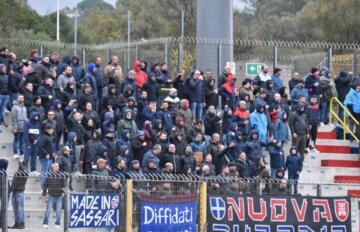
<point x="17" y="189"/>
<point x="46" y="152"/>
<point x="299" y="127"/>
<point x="53" y="193"/>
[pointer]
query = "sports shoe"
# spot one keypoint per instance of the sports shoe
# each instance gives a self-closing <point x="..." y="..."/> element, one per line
<point x="315" y="150"/>
<point x="45" y="225"/>
<point x="57" y="226"/>
<point x="322" y="124"/>
<point x="16" y="156"/>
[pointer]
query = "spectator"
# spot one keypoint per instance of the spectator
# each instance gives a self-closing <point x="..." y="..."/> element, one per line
<point x="228" y="92"/>
<point x="113" y="70"/>
<point x="141" y="76"/>
<point x="242" y="118"/>
<point x="293" y="82"/>
<point x="153" y="154"/>
<point x="17" y="189"/>
<point x="64" y="79"/>
<point x="299" y="129"/>
<point x="64" y="161"/>
<point x="197" y="95"/>
<point x="18" y="118"/>
<point x="60" y="122"/>
<point x="92" y="150"/>
<point x="31" y="140"/>
<point x="242" y="165"/>
<point x="53" y="194"/>
<point x="328" y="91"/>
<point x="294" y="165"/>
<point x="276" y="78"/>
<point x="342" y="84"/>
<point x="353" y="104"/>
<point x="185" y="113"/>
<point x="246" y="90"/>
<point x="99" y="77"/>
<point x="28" y="94"/>
<point x="46" y="152"/>
<point x="172" y="157"/>
<point x="296" y="94"/>
<point x="152" y="87"/>
<point x="47" y="93"/>
<point x="259" y="122"/>
<point x="78" y="70"/>
<point x="277" y="158"/>
<point x="260" y="80"/>
<point x="187" y="160"/>
<point x="4" y="92"/>
<point x="211" y="93"/>
<point x="224" y="76"/>
<point x="312" y="83"/>
<point x="138" y="145"/>
<point x="313" y="117"/>
<point x="120" y="169"/>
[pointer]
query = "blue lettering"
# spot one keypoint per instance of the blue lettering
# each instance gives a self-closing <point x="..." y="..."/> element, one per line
<point x="305" y="229"/>
<point x="285" y="228"/>
<point x="262" y="228"/>
<point x="338" y="228"/>
<point x="220" y="228"/>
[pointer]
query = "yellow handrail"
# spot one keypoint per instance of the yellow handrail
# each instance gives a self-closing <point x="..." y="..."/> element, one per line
<point x="343" y="122"/>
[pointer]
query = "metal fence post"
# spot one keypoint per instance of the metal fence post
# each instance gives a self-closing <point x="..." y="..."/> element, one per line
<point x="219" y="72"/>
<point x="107" y="55"/>
<point x="166" y="53"/>
<point x="84" y="57"/>
<point x="66" y="204"/>
<point x="318" y="190"/>
<point x="329" y="64"/>
<point x="180" y="56"/>
<point x="41" y="50"/>
<point x="275" y="56"/>
<point x="136" y="52"/>
<point x="354" y="63"/>
<point x="129" y="205"/>
<point x="4" y="201"/>
<point x="203" y="205"/>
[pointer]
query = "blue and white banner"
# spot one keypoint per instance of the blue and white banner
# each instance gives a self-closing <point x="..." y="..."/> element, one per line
<point x="94" y="210"/>
<point x="166" y="215"/>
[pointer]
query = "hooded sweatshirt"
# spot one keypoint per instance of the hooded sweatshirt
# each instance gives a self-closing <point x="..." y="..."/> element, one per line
<point x="32" y="129"/>
<point x="141" y="76"/>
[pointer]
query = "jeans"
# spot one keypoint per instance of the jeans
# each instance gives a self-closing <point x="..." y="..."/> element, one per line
<point x="196" y="109"/>
<point x="18" y="140"/>
<point x="31" y="154"/>
<point x="324" y="111"/>
<point x="58" y="204"/>
<point x="57" y="140"/>
<point x="17" y="200"/>
<point x="45" y="167"/>
<point x="293" y="181"/>
<point x="4" y="99"/>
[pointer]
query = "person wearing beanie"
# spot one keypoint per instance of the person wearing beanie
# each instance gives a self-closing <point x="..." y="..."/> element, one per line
<point x="139" y="145"/>
<point x="78" y="70"/>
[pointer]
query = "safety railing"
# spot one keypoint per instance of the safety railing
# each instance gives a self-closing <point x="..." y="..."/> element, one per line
<point x="342" y="121"/>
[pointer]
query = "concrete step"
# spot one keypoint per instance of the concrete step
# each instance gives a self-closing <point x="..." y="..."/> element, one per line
<point x="325" y="174"/>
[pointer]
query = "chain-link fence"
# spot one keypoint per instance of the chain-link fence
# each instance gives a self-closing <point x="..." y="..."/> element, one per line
<point x="181" y="54"/>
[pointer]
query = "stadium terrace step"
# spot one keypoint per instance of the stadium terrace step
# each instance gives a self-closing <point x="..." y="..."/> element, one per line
<point x="326" y="135"/>
<point x="340" y="163"/>
<point x="347" y="179"/>
<point x="337" y="149"/>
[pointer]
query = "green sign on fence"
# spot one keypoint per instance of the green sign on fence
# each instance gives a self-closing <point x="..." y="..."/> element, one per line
<point x="253" y="69"/>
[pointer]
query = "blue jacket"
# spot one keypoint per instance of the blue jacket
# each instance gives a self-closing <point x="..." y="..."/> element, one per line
<point x="78" y="71"/>
<point x="313" y="114"/>
<point x="353" y="99"/>
<point x="90" y="79"/>
<point x="259" y="122"/>
<point x="196" y="92"/>
<point x="278" y="83"/>
<point x="293" y="163"/>
<point x="32" y="129"/>
<point x="277" y="158"/>
<point x="166" y="118"/>
<point x="295" y="96"/>
<point x="149" y="156"/>
<point x="281" y="130"/>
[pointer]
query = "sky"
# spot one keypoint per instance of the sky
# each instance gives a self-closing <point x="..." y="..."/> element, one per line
<point x="44" y="7"/>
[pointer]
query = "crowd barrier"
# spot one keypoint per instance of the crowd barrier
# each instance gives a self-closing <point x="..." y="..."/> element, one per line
<point x="165" y="202"/>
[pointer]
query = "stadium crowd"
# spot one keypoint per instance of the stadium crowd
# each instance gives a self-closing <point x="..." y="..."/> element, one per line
<point x="106" y="121"/>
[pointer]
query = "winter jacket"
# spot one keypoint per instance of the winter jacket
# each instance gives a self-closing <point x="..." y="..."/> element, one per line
<point x="149" y="156"/>
<point x="63" y="80"/>
<point x="298" y="123"/>
<point x="28" y="97"/>
<point x="138" y="149"/>
<point x="44" y="91"/>
<point x="309" y="84"/>
<point x="99" y="76"/>
<point x="240" y="117"/>
<point x="352" y="101"/>
<point x="65" y="163"/>
<point x="243" y="168"/>
<point x="253" y="147"/>
<point x="78" y="71"/>
<point x="227" y="93"/>
<point x="167" y="118"/>
<point x="171" y="158"/>
<point x="46" y="147"/>
<point x="153" y="90"/>
<point x="54" y="184"/>
<point x="32" y="130"/>
<point x="328" y="88"/>
<point x="90" y="79"/>
<point x="278" y="83"/>
<point x="313" y="114"/>
<point x="342" y="84"/>
<point x="92" y="151"/>
<point x="196" y="90"/>
<point x="4" y="84"/>
<point x="280" y="130"/>
<point x="18" y="116"/>
<point x="141" y="76"/>
<point x="293" y="163"/>
<point x="295" y="96"/>
<point x="19" y="180"/>
<point x="277" y="157"/>
<point x="211" y="98"/>
<point x="259" y="122"/>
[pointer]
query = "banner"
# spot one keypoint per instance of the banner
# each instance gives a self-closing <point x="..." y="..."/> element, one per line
<point x="278" y="214"/>
<point x="168" y="214"/>
<point x="94" y="210"/>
